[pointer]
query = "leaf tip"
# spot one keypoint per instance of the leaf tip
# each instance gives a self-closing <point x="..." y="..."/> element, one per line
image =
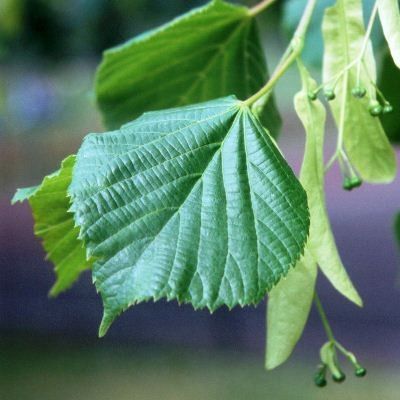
<point x="105" y="324"/>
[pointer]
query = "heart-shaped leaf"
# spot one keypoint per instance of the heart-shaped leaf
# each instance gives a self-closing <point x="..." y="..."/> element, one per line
<point x="195" y="204"/>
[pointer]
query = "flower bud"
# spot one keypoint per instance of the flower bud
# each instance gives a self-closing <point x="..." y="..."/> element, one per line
<point x="358" y="92"/>
<point x="312" y="96"/>
<point x="329" y="94"/>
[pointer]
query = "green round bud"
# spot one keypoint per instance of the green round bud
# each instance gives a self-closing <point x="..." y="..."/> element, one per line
<point x="375" y="109"/>
<point x="359" y="92"/>
<point x="387" y="108"/>
<point x="329" y="94"/>
<point x="360" y="372"/>
<point x="351" y="183"/>
<point x="339" y="378"/>
<point x="312" y="96"/>
<point x="320" y="380"/>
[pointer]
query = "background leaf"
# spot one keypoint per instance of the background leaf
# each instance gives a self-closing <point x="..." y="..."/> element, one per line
<point x="397" y="228"/>
<point x="184" y="62"/>
<point x="389" y="84"/>
<point x="364" y="139"/>
<point x="321" y="242"/>
<point x="55" y="225"/>
<point x="195" y="204"/>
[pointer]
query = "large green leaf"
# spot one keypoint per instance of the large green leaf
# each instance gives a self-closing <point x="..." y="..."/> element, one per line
<point x="288" y="308"/>
<point x="364" y="139"/>
<point x="195" y="204"/>
<point x="389" y="15"/>
<point x="55" y="225"/>
<point x="213" y="51"/>
<point x="321" y="242"/>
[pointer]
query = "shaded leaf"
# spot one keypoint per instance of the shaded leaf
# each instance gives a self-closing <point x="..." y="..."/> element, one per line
<point x="389" y="84"/>
<point x="195" y="204"/>
<point x="364" y="139"/>
<point x="55" y="225"/>
<point x="210" y="52"/>
<point x="321" y="242"/>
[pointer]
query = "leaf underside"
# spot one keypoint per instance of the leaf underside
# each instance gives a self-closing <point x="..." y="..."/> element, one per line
<point x="55" y="225"/>
<point x="195" y="204"/>
<point x="364" y="139"/>
<point x="210" y="52"/>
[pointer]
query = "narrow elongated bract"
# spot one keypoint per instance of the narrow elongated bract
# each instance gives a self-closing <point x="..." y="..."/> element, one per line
<point x="321" y="242"/>
<point x="55" y="225"/>
<point x="195" y="204"/>
<point x="288" y="307"/>
<point x="210" y="52"/>
<point x="364" y="139"/>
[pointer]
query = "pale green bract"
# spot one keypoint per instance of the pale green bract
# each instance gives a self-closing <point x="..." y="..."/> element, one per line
<point x="321" y="242"/>
<point x="389" y="14"/>
<point x="210" y="52"/>
<point x="195" y="204"/>
<point x="364" y="139"/>
<point x="290" y="301"/>
<point x="288" y="308"/>
<point x="55" y="225"/>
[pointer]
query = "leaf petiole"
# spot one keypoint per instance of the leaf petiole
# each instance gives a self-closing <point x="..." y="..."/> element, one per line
<point x="366" y="40"/>
<point x="260" y="7"/>
<point x="324" y="319"/>
<point x="291" y="54"/>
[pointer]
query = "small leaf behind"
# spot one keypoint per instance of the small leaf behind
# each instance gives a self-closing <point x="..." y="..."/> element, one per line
<point x="210" y="52"/>
<point x="55" y="225"/>
<point x="195" y="204"/>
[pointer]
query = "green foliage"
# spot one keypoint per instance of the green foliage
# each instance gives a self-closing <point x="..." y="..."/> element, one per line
<point x="211" y="52"/>
<point x="389" y="15"/>
<point x="195" y="204"/>
<point x="55" y="225"/>
<point x="364" y="139"/>
<point x="397" y="228"/>
<point x="389" y="84"/>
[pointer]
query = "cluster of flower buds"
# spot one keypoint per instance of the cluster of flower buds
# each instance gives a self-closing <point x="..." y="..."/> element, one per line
<point x="329" y="94"/>
<point x="330" y="363"/>
<point x="376" y="108"/>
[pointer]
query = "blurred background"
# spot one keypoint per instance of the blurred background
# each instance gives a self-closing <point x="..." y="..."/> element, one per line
<point x="49" y="348"/>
